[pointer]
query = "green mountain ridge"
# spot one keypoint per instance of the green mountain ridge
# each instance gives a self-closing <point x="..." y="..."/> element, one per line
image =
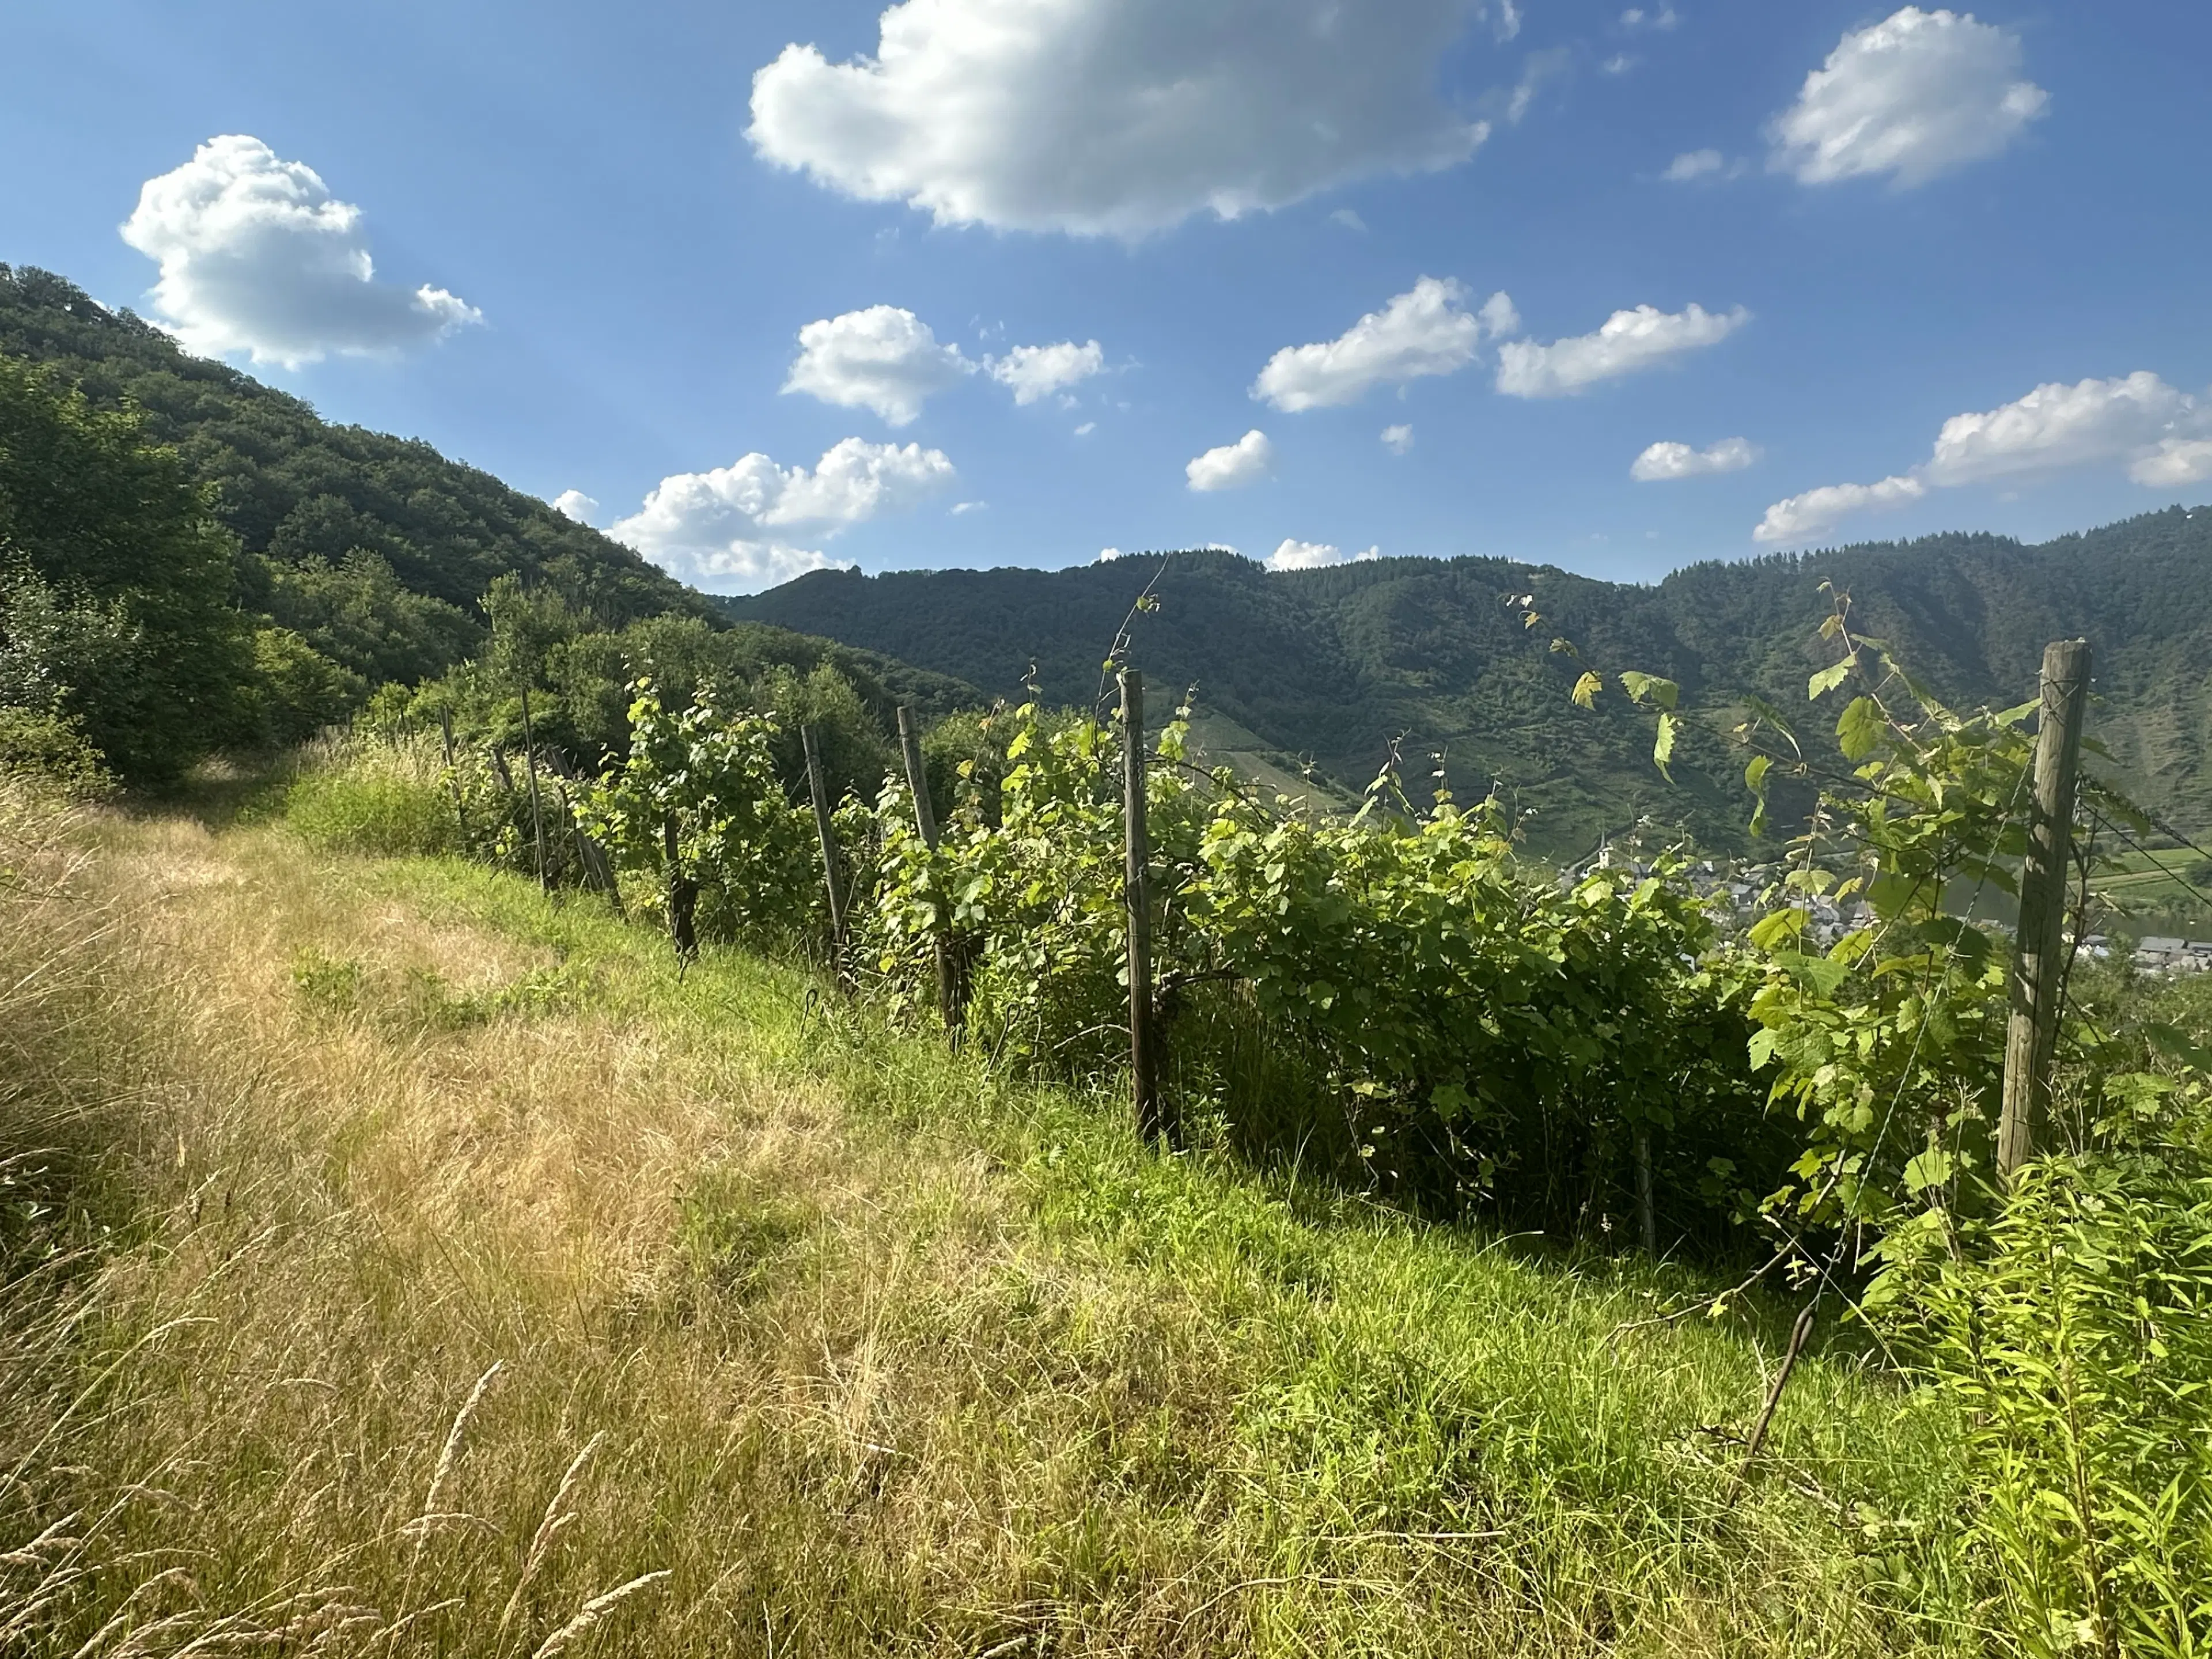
<point x="294" y="487"/>
<point x="1335" y="665"/>
<point x="379" y="552"/>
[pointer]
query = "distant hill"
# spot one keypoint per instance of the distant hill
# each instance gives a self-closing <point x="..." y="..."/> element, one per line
<point x="294" y="487"/>
<point x="1332" y="664"/>
<point x="305" y="498"/>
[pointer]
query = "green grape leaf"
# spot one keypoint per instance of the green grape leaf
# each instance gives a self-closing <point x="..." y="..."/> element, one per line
<point x="1860" y="728"/>
<point x="1830" y="677"/>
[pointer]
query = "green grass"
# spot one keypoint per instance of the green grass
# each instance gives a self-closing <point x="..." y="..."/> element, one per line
<point x="2155" y="887"/>
<point x="892" y="1354"/>
<point x="1393" y="1379"/>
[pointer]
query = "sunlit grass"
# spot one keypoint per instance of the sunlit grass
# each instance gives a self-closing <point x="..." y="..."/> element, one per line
<point x="866" y="1350"/>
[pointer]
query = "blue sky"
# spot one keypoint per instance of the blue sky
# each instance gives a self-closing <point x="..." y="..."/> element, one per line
<point x="597" y="238"/>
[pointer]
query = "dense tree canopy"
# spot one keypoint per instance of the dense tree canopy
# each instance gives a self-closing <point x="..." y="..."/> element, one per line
<point x="115" y="596"/>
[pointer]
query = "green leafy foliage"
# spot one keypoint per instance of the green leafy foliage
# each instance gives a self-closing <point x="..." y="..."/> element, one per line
<point x="1889" y="1043"/>
<point x="115" y="606"/>
<point x="711" y="780"/>
<point x="1469" y="1028"/>
<point x="355" y="612"/>
<point x="2073" y="1334"/>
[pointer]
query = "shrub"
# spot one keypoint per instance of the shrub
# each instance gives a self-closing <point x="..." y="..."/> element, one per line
<point x="51" y="749"/>
<point x="2072" y="1332"/>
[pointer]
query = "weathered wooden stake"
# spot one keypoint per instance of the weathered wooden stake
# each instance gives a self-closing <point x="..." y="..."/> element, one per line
<point x="1645" y="1210"/>
<point x="537" y="810"/>
<point x="1137" y="903"/>
<point x="819" y="787"/>
<point x="1798" y="1333"/>
<point x="453" y="777"/>
<point x="951" y="990"/>
<point x="590" y="857"/>
<point x="2038" y="954"/>
<point x="682" y="894"/>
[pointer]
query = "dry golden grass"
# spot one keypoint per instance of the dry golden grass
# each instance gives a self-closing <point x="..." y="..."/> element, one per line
<point x="398" y="1313"/>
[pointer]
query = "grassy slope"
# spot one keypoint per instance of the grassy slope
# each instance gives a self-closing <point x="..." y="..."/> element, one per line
<point x="877" y="1353"/>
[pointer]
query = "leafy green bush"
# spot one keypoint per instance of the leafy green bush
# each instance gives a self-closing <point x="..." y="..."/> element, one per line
<point x="1463" y="1027"/>
<point x="51" y="749"/>
<point x="710" y="783"/>
<point x="115" y="610"/>
<point x="2074" y="1333"/>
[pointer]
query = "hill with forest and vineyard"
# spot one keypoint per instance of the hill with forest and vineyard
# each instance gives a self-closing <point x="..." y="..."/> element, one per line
<point x="368" y="559"/>
<point x="1331" y="666"/>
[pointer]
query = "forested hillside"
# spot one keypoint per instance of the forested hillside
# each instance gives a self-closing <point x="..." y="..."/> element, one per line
<point x="191" y="561"/>
<point x="294" y="487"/>
<point x="1334" y="664"/>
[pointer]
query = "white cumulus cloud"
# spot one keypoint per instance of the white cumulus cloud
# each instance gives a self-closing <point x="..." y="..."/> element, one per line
<point x="1694" y="164"/>
<point x="257" y="256"/>
<point x="1035" y="372"/>
<point x="2175" y="462"/>
<point x="1425" y="330"/>
<point x="2136" y="419"/>
<point x="1315" y="555"/>
<point x="729" y="529"/>
<point x="2057" y="426"/>
<point x="1118" y="117"/>
<point x="576" y="504"/>
<point x="1397" y="439"/>
<point x="1803" y="518"/>
<point x="883" y="358"/>
<point x="1231" y="467"/>
<point x="1913" y="96"/>
<point x="1665" y="460"/>
<point x="1625" y="342"/>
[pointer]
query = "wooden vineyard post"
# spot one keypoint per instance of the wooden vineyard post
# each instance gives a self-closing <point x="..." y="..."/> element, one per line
<point x="1137" y="904"/>
<point x="952" y="993"/>
<point x="1798" y="1333"/>
<point x="819" y="787"/>
<point x="537" y="810"/>
<point x="2039" y="955"/>
<point x="590" y="857"/>
<point x="453" y="779"/>
<point x="682" y="893"/>
<point x="1646" y="1212"/>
